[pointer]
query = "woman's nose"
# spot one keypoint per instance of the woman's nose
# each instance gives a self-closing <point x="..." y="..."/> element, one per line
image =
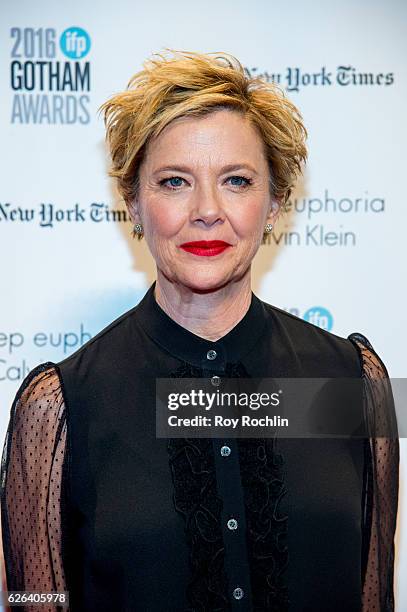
<point x="207" y="205"/>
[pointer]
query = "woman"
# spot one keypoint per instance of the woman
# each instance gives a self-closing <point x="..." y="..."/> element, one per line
<point x="92" y="501"/>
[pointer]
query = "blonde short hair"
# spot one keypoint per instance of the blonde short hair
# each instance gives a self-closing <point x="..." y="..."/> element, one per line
<point x="179" y="84"/>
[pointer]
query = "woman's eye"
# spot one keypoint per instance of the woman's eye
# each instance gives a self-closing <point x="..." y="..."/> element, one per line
<point x="239" y="181"/>
<point x="173" y="182"/>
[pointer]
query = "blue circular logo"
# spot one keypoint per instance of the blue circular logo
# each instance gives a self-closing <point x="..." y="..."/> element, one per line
<point x="319" y="316"/>
<point x="75" y="42"/>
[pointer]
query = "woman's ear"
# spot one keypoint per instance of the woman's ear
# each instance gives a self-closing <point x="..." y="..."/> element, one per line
<point x="134" y="211"/>
<point x="274" y="211"/>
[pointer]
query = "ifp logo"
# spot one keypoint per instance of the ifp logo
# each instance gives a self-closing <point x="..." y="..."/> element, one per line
<point x="320" y="316"/>
<point x="75" y="42"/>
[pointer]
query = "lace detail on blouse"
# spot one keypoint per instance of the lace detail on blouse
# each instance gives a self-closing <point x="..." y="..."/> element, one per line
<point x="262" y="470"/>
<point x="32" y="481"/>
<point x="34" y="485"/>
<point x="381" y="482"/>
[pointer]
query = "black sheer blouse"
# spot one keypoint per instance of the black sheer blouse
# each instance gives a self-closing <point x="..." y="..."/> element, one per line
<point x="94" y="503"/>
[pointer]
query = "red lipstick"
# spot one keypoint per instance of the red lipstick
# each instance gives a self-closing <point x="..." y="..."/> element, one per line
<point x="205" y="248"/>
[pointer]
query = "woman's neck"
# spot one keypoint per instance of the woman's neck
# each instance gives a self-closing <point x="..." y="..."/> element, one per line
<point x="208" y="315"/>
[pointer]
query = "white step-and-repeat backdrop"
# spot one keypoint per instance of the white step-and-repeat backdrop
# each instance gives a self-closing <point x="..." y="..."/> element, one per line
<point x="68" y="263"/>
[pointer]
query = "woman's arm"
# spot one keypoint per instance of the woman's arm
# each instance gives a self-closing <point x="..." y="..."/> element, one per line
<point x="380" y="498"/>
<point x="32" y="484"/>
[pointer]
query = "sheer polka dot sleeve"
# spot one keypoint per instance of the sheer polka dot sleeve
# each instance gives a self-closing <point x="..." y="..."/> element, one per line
<point x="381" y="482"/>
<point x="32" y="488"/>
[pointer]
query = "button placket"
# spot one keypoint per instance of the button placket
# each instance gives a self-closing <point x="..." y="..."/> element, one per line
<point x="215" y="380"/>
<point x="230" y="490"/>
<point x="234" y="523"/>
<point x="225" y="451"/>
<point x="213" y="362"/>
<point x="238" y="593"/>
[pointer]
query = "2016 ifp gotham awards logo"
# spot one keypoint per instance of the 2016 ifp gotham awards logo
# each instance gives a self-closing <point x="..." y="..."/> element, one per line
<point x="49" y="76"/>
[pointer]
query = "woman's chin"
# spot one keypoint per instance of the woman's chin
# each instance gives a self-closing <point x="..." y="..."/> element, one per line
<point x="205" y="281"/>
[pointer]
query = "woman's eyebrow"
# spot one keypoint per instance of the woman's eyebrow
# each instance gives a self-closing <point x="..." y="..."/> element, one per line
<point x="224" y="169"/>
<point x="242" y="166"/>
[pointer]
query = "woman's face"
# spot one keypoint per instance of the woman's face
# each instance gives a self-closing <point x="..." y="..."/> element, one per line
<point x="205" y="179"/>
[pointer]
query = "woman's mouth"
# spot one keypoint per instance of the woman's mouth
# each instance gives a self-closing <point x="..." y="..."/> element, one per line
<point x="205" y="248"/>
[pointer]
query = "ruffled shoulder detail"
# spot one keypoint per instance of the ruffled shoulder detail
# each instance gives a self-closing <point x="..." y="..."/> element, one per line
<point x="196" y="498"/>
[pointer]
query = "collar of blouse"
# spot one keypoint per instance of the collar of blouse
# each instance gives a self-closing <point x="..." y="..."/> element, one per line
<point x="199" y="352"/>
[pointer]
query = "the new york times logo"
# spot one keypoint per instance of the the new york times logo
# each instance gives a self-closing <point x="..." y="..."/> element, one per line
<point x="296" y="79"/>
<point x="49" y="78"/>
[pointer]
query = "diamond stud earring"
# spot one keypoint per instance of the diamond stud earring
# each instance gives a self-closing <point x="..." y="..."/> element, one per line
<point x="268" y="228"/>
<point x="138" y="229"/>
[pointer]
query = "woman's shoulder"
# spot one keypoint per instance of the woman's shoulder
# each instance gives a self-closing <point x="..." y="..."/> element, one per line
<point x="310" y="337"/>
<point x="37" y="419"/>
<point x="39" y="396"/>
<point x="372" y="365"/>
<point x="43" y="377"/>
